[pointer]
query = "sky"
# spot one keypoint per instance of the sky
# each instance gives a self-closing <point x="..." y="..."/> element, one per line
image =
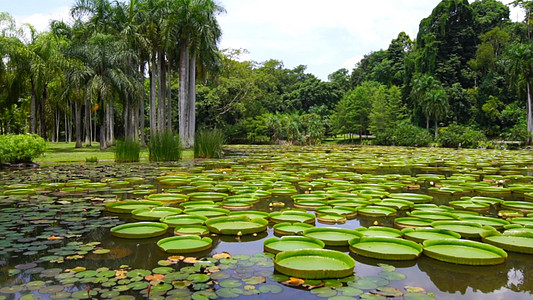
<point x="322" y="35"/>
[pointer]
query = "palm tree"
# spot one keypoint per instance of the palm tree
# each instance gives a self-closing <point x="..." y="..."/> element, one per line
<point x="431" y="98"/>
<point x="197" y="32"/>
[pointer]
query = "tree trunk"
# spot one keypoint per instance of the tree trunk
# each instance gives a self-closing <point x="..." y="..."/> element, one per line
<point x="142" y="137"/>
<point x="102" y="117"/>
<point x="87" y="125"/>
<point x="111" y="123"/>
<point x="33" y="109"/>
<point x="169" y="93"/>
<point x="162" y="98"/>
<point x="529" y="112"/>
<point x="153" y="106"/>
<point x="42" y="106"/>
<point x="77" y="112"/>
<point x="436" y="128"/>
<point x="427" y="123"/>
<point x="192" y="101"/>
<point x="183" y="97"/>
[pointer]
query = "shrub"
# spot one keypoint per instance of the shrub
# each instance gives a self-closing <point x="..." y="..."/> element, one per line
<point x="208" y="143"/>
<point x="127" y="151"/>
<point x="404" y="134"/>
<point x="21" y="148"/>
<point x="164" y="146"/>
<point x="91" y="159"/>
<point x="455" y="135"/>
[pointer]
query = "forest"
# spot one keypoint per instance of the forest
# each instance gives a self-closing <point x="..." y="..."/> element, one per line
<point x="128" y="70"/>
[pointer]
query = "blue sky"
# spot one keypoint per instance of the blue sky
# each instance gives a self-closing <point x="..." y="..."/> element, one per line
<point x="323" y="35"/>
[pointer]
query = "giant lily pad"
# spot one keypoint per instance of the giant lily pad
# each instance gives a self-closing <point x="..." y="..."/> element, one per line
<point x="275" y="245"/>
<point x="419" y="235"/>
<point x="168" y="198"/>
<point x="386" y="248"/>
<point x="184" y="244"/>
<point x="349" y="212"/>
<point x="379" y="231"/>
<point x="523" y="206"/>
<point x="154" y="214"/>
<point x="486" y="221"/>
<point x="126" y="207"/>
<point x="292" y="217"/>
<point x="207" y="212"/>
<point x="411" y="222"/>
<point x="181" y="220"/>
<point x="191" y="230"/>
<point x="521" y="242"/>
<point x="236" y="225"/>
<point x="314" y="263"/>
<point x="464" y="228"/>
<point x="332" y="236"/>
<point x="464" y="252"/>
<point x="139" y="230"/>
<point x="376" y="211"/>
<point x="291" y="228"/>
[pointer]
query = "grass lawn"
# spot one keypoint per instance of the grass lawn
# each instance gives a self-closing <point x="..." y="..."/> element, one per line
<point x="66" y="153"/>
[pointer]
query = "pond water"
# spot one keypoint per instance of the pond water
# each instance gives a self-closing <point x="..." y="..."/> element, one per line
<point x="55" y="240"/>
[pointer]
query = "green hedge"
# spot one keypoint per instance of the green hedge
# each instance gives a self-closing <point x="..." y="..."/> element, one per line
<point x="21" y="148"/>
<point x="455" y="135"/>
<point x="404" y="134"/>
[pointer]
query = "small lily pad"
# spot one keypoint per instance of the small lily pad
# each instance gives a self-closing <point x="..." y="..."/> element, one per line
<point x="324" y="292"/>
<point x="270" y="288"/>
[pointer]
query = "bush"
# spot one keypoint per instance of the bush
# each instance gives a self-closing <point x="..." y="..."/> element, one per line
<point x="208" y="144"/>
<point x="404" y="134"/>
<point x="456" y="135"/>
<point x="21" y="148"/>
<point x="127" y="151"/>
<point x="164" y="146"/>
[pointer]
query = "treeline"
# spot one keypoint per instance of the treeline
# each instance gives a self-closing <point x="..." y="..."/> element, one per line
<point x="147" y="66"/>
<point x="465" y="78"/>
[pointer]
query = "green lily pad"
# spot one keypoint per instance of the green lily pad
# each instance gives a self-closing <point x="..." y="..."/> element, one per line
<point x="324" y="292"/>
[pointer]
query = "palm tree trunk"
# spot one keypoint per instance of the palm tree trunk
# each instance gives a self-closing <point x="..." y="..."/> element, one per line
<point x="169" y="93"/>
<point x="77" y="113"/>
<point x="87" y="124"/>
<point x="436" y="128"/>
<point x="33" y="109"/>
<point x="111" y="123"/>
<point x="42" y="106"/>
<point x="529" y="112"/>
<point x="162" y="98"/>
<point x="102" y="117"/>
<point x="183" y="97"/>
<point x="192" y="100"/>
<point x="153" y="106"/>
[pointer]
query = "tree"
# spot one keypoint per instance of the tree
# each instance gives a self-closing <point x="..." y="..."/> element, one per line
<point x="431" y="99"/>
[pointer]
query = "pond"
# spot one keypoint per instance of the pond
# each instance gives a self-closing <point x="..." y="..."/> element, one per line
<point x="55" y="223"/>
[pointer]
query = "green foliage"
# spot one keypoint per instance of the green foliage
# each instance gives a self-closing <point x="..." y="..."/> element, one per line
<point x="20" y="148"/>
<point x="387" y="112"/>
<point x="127" y="150"/>
<point x="208" y="143"/>
<point x="91" y="159"/>
<point x="406" y="134"/>
<point x="517" y="133"/>
<point x="164" y="146"/>
<point x="456" y="135"/>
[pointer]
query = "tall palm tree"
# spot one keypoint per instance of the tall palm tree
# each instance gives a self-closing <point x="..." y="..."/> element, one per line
<point x="197" y="32"/>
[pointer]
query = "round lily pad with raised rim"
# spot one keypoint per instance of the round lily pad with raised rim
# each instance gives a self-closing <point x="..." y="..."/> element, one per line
<point x="181" y="220"/>
<point x="154" y="214"/>
<point x="185" y="244"/>
<point x="464" y="228"/>
<point x="213" y="196"/>
<point x="314" y="264"/>
<point x="522" y="221"/>
<point x="386" y="248"/>
<point x="200" y="204"/>
<point x="432" y="215"/>
<point x="168" y="198"/>
<point x="275" y="245"/>
<point x="332" y="236"/>
<point x="349" y="212"/>
<point x="523" y="206"/>
<point x="191" y="230"/>
<point x="411" y="222"/>
<point x="379" y="231"/>
<point x="207" y="212"/>
<point x="395" y="203"/>
<point x="376" y="211"/>
<point x="464" y="252"/>
<point x="127" y="206"/>
<point x="236" y="205"/>
<point x="419" y="235"/>
<point x="139" y="230"/>
<point x="486" y="221"/>
<point x="236" y="225"/>
<point x="291" y="228"/>
<point x="309" y="204"/>
<point x="415" y="198"/>
<point x="521" y="242"/>
<point x="331" y="218"/>
<point x="292" y="217"/>
<point x="470" y="205"/>
<point x="252" y="214"/>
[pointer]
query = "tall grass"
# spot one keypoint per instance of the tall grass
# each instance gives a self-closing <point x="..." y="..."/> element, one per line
<point x="127" y="150"/>
<point x="164" y="146"/>
<point x="208" y="143"/>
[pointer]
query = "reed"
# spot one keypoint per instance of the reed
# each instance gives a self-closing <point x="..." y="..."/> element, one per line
<point x="127" y="150"/>
<point x="209" y="143"/>
<point x="164" y="146"/>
